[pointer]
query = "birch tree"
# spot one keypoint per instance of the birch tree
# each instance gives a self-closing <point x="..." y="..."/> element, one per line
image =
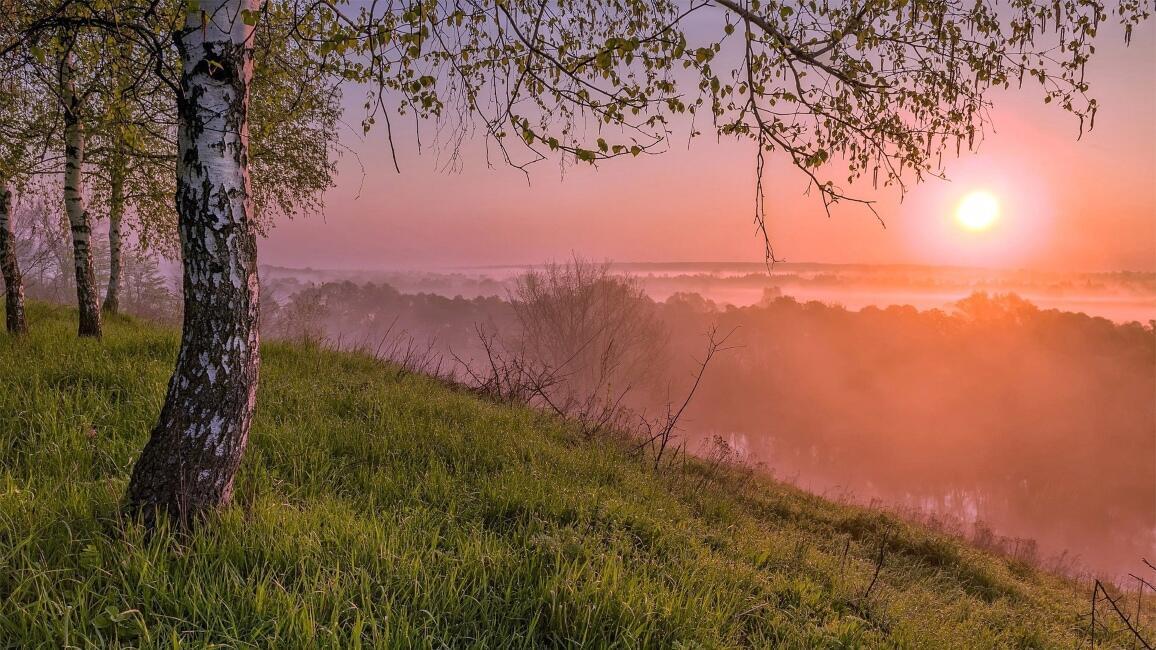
<point x="75" y="202"/>
<point x="192" y="456"/>
<point x="60" y="62"/>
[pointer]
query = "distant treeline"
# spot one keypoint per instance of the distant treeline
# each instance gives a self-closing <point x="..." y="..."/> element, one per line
<point x="668" y="278"/>
<point x="1041" y="423"/>
<point x="1038" y="423"/>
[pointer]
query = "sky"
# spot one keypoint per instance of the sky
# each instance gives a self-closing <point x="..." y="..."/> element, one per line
<point x="1087" y="205"/>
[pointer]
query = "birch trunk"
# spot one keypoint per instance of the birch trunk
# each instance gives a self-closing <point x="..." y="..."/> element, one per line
<point x="10" y="268"/>
<point x="187" y="467"/>
<point x="111" y="303"/>
<point x="78" y="219"/>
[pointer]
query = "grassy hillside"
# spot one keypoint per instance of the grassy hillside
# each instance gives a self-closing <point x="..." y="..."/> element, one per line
<point x="378" y="509"/>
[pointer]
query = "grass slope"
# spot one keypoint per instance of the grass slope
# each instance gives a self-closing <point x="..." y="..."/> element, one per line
<point x="379" y="509"/>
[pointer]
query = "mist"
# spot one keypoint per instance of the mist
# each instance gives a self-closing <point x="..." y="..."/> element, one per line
<point x="1025" y="428"/>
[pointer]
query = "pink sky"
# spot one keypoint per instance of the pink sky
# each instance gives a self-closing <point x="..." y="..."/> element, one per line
<point x="1087" y="205"/>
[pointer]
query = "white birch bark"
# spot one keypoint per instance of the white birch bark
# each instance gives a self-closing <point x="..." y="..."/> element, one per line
<point x="187" y="467"/>
<point x="74" y="204"/>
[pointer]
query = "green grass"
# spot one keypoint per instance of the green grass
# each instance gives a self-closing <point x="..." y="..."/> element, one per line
<point x="381" y="509"/>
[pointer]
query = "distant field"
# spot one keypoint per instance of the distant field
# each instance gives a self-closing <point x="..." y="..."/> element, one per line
<point x="377" y="509"/>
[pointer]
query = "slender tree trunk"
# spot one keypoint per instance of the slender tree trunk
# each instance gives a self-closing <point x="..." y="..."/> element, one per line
<point x="78" y="218"/>
<point x="116" y="170"/>
<point x="13" y="281"/>
<point x="187" y="467"/>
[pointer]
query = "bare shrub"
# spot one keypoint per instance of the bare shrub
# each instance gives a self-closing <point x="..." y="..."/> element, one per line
<point x="42" y="243"/>
<point x="586" y="342"/>
<point x="508" y="374"/>
<point x="587" y="345"/>
<point x="658" y="435"/>
<point x="597" y="327"/>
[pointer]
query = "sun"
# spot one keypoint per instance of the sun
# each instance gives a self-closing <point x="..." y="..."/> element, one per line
<point x="977" y="211"/>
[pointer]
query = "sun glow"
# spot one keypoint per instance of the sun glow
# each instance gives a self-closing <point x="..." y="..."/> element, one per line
<point x="977" y="211"/>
